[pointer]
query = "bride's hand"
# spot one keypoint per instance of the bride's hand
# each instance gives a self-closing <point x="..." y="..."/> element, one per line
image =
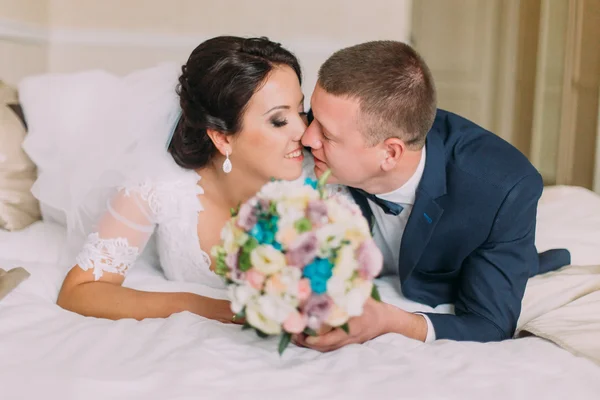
<point x="219" y="310"/>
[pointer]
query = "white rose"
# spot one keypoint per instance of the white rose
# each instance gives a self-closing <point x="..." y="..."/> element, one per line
<point x="336" y="212"/>
<point x="290" y="277"/>
<point x="267" y="259"/>
<point x="275" y="308"/>
<point x="345" y="264"/>
<point x="258" y="320"/>
<point x="329" y="236"/>
<point x="336" y="288"/>
<point x="337" y="316"/>
<point x="240" y="295"/>
<point x="356" y="298"/>
<point x="228" y="238"/>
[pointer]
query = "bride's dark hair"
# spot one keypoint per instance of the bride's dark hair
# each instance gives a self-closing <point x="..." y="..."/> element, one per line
<point x="215" y="86"/>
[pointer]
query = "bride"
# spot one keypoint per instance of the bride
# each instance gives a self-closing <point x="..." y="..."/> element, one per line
<point x="239" y="123"/>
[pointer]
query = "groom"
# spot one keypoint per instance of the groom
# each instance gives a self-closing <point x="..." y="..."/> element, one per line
<point x="451" y="206"/>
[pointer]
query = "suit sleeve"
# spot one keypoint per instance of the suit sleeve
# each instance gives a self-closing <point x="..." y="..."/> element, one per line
<point x="494" y="277"/>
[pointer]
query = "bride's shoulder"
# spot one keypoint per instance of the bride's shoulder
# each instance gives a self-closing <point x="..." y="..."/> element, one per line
<point x="167" y="193"/>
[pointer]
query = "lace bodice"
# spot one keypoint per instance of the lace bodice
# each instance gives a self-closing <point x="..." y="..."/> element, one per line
<point x="170" y="209"/>
<point x="167" y="208"/>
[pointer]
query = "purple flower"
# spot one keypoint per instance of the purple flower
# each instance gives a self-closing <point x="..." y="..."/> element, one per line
<point x="248" y="215"/>
<point x="370" y="260"/>
<point x="232" y="261"/>
<point x="317" y="212"/>
<point x="302" y="250"/>
<point x="317" y="309"/>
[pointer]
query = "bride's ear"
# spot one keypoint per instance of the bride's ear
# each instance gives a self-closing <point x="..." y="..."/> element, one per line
<point x="222" y="141"/>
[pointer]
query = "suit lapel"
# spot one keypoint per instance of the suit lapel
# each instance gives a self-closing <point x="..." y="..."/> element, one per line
<point x="426" y="211"/>
<point x="424" y="217"/>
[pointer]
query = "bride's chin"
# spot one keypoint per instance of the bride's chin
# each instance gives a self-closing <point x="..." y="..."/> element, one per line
<point x="288" y="174"/>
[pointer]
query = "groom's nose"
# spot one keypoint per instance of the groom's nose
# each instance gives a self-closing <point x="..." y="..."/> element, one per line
<point x="311" y="137"/>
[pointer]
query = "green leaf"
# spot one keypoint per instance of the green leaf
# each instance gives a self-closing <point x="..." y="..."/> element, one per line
<point x="261" y="334"/>
<point x="241" y="314"/>
<point x="247" y="248"/>
<point x="345" y="328"/>
<point x="221" y="267"/>
<point x="251" y="244"/>
<point x="303" y="225"/>
<point x="245" y="261"/>
<point x="322" y="182"/>
<point x="273" y="208"/>
<point x="375" y="293"/>
<point x="246" y="326"/>
<point x="323" y="179"/>
<point x="284" y="341"/>
<point x="310" y="332"/>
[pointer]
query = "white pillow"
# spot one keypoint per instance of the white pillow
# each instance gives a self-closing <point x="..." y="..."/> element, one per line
<point x="569" y="217"/>
<point x="41" y="242"/>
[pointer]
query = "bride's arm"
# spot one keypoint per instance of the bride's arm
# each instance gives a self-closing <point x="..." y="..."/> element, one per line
<point x="106" y="298"/>
<point x="93" y="287"/>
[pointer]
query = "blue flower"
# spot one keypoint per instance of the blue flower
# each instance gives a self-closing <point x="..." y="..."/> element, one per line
<point x="257" y="232"/>
<point x="318" y="285"/>
<point x="268" y="237"/>
<point x="311" y="182"/>
<point x="310" y="270"/>
<point x="318" y="272"/>
<point x="323" y="268"/>
<point x="276" y="245"/>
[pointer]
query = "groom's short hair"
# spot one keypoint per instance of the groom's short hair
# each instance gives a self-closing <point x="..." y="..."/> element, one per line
<point x="393" y="85"/>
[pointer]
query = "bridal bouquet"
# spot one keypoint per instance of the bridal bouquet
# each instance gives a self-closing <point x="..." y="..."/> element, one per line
<point x="295" y="259"/>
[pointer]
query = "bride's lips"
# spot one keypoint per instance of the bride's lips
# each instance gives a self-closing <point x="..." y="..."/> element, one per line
<point x="295" y="155"/>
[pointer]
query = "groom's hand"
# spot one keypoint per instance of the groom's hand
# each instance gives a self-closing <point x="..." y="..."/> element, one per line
<point x="377" y="319"/>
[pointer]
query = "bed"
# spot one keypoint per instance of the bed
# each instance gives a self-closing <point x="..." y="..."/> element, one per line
<point x="47" y="352"/>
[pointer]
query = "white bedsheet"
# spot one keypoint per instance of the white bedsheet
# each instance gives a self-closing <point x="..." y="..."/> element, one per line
<point x="49" y="353"/>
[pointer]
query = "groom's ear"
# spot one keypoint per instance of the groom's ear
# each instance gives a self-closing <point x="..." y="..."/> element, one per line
<point x="393" y="149"/>
<point x="221" y="141"/>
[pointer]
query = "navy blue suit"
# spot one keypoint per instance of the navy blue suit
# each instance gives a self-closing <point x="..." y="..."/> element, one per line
<point x="470" y="236"/>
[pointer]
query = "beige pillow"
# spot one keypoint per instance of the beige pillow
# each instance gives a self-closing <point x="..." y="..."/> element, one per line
<point x="18" y="207"/>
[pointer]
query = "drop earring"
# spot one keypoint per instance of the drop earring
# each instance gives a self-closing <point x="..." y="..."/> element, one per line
<point x="227" y="163"/>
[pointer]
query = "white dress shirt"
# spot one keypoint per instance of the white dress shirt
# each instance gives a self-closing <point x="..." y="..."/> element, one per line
<point x="388" y="229"/>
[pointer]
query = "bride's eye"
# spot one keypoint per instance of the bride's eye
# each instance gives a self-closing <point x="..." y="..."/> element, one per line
<point x="279" y="122"/>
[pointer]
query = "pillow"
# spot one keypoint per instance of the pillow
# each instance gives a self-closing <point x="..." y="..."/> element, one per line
<point x="17" y="109"/>
<point x="18" y="207"/>
<point x="569" y="217"/>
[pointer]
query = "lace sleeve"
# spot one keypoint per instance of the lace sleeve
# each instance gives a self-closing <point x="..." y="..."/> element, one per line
<point x="121" y="235"/>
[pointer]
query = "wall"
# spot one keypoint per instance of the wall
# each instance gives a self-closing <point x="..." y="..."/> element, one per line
<point x="548" y="90"/>
<point x="107" y="34"/>
<point x="23" y="46"/>
<point x="597" y="172"/>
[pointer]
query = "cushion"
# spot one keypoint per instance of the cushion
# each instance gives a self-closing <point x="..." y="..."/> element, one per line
<point x="17" y="109"/>
<point x="18" y="207"/>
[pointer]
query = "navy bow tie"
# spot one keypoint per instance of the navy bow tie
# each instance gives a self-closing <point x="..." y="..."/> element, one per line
<point x="387" y="206"/>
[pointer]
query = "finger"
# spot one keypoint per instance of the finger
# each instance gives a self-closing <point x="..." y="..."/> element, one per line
<point x="326" y="349"/>
<point x="329" y="339"/>
<point x="324" y="329"/>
